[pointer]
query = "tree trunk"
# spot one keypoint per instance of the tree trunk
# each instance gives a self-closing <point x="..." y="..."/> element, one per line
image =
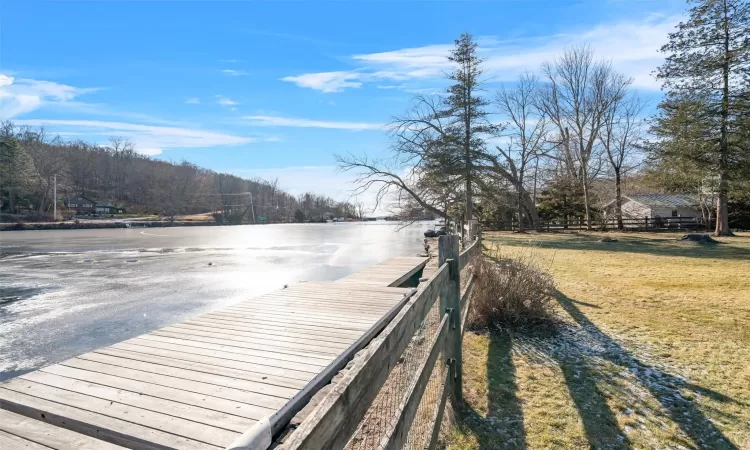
<point x="586" y="201"/>
<point x="618" y="199"/>
<point x="43" y="201"/>
<point x="520" y="208"/>
<point x="467" y="147"/>
<point x="722" y="211"/>
<point x="531" y="210"/>
<point x="467" y="155"/>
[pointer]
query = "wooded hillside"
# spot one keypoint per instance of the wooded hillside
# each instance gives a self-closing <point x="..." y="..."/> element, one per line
<point x="116" y="173"/>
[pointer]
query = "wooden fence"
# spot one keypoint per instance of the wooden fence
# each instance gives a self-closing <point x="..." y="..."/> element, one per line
<point x="631" y="224"/>
<point x="336" y="418"/>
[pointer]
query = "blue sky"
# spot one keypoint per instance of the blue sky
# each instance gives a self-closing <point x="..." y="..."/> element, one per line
<point x="274" y="89"/>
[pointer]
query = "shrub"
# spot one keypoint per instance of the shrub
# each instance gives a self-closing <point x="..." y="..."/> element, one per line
<point x="510" y="292"/>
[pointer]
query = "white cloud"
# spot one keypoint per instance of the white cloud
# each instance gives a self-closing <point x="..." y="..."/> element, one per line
<point x="631" y="46"/>
<point x="149" y="139"/>
<point x="234" y="73"/>
<point x="229" y="60"/>
<point x="19" y="96"/>
<point x="278" y="121"/>
<point x="224" y="101"/>
<point x="328" y="81"/>
<point x="408" y="63"/>
<point x="193" y="101"/>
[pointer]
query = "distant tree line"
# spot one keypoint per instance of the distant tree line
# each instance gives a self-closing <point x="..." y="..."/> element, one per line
<point x="31" y="159"/>
<point x="562" y="143"/>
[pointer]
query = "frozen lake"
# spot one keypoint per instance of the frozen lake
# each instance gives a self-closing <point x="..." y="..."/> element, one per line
<point x="66" y="292"/>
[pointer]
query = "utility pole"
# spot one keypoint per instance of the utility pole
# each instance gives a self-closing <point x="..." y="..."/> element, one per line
<point x="54" y="197"/>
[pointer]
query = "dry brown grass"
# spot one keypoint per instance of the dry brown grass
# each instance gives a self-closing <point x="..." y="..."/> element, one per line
<point x="655" y="353"/>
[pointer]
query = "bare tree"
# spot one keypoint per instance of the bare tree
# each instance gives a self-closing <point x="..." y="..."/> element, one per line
<point x="579" y="93"/>
<point x="273" y="190"/>
<point x="622" y="133"/>
<point x="81" y="158"/>
<point x="123" y="152"/>
<point x="389" y="185"/>
<point x="360" y="210"/>
<point x="48" y="161"/>
<point x="527" y="134"/>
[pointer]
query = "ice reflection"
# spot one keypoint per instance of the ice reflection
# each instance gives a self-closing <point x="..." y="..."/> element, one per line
<point x="84" y="289"/>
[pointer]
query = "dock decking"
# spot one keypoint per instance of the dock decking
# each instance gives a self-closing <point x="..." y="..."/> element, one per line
<point x="394" y="272"/>
<point x="201" y="383"/>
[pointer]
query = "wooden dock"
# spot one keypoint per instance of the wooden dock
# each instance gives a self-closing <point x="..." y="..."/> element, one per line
<point x="394" y="272"/>
<point x="200" y="384"/>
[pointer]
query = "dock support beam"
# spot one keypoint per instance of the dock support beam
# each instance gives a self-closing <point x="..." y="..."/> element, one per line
<point x="450" y="301"/>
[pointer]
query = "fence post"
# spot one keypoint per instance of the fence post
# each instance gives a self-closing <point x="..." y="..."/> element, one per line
<point x="450" y="299"/>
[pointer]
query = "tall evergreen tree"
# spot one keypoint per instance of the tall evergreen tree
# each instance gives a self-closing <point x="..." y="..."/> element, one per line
<point x="15" y="169"/>
<point x="707" y="76"/>
<point x="438" y="144"/>
<point x="466" y="111"/>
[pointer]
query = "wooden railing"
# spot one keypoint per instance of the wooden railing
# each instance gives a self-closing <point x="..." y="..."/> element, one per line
<point x="333" y="422"/>
<point x="471" y="253"/>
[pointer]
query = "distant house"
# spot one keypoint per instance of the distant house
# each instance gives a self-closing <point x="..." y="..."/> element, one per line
<point x="639" y="206"/>
<point x="84" y="205"/>
<point x="106" y="208"/>
<point x="81" y="204"/>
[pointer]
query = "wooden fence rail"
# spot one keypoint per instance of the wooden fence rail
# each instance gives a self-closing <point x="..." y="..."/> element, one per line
<point x="333" y="422"/>
<point x="414" y="396"/>
<point x="630" y="223"/>
<point x="465" y="301"/>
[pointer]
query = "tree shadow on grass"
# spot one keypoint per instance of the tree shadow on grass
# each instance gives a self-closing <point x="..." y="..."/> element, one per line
<point x="548" y="346"/>
<point x="664" y="387"/>
<point x="599" y="421"/>
<point x="637" y="244"/>
<point x="503" y="427"/>
<point x="593" y="365"/>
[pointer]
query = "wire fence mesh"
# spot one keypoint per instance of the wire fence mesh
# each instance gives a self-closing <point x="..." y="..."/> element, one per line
<point x="382" y="416"/>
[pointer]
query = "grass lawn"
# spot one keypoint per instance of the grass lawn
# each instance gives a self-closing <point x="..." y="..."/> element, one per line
<point x="654" y="352"/>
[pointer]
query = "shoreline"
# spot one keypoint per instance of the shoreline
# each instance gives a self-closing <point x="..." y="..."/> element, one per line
<point x="41" y="226"/>
<point x="92" y="225"/>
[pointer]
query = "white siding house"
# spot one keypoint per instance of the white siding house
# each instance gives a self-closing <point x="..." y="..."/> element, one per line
<point x="639" y="206"/>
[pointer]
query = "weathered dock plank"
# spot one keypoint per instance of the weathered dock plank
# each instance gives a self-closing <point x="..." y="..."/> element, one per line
<point x="20" y="432"/>
<point x="393" y="272"/>
<point x="199" y="384"/>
